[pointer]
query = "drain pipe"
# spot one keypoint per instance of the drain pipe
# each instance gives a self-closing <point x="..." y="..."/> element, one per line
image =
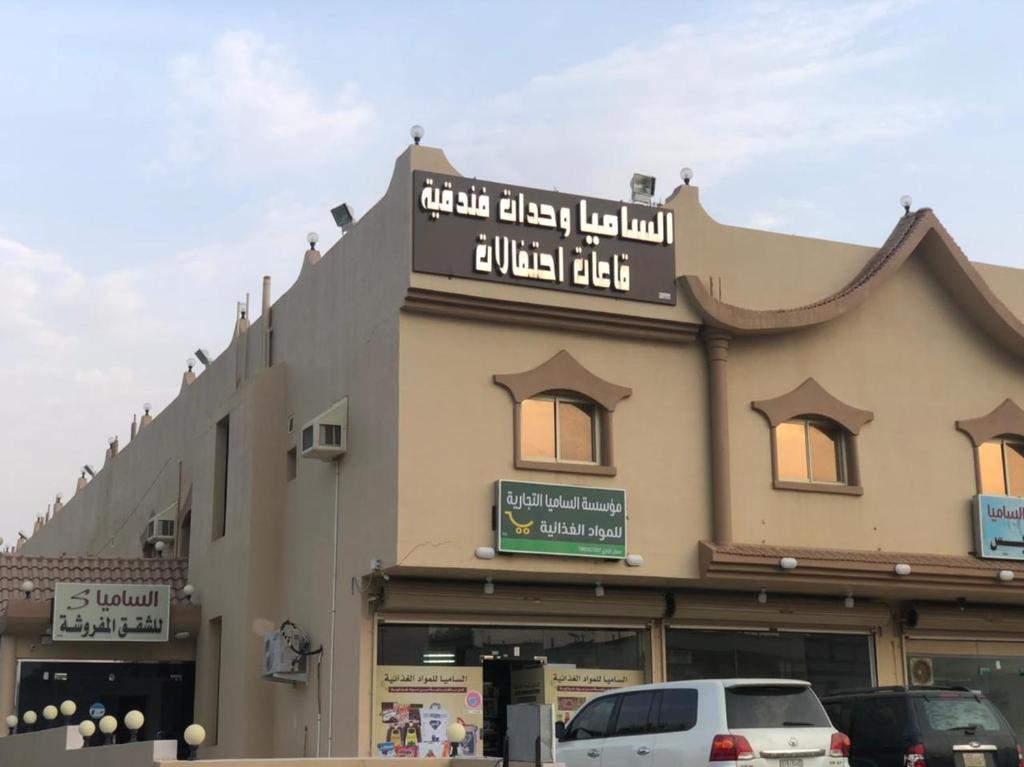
<point x="334" y="613"/>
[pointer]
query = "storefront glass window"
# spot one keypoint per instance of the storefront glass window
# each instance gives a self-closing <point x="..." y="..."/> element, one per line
<point x="1000" y="679"/>
<point x="829" y="662"/>
<point x="413" y="645"/>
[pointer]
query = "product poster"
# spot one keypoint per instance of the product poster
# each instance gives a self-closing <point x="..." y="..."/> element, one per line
<point x="413" y="706"/>
<point x="565" y="688"/>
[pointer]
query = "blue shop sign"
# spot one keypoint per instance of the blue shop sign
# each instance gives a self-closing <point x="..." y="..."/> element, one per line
<point x="999" y="527"/>
<point x="97" y="711"/>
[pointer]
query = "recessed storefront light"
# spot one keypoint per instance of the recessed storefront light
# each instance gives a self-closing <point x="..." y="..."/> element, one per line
<point x="902" y="569"/>
<point x="1006" y="575"/>
<point x="848" y="602"/>
<point x="788" y="563"/>
<point x="762" y="597"/>
<point x="484" y="552"/>
<point x="635" y="560"/>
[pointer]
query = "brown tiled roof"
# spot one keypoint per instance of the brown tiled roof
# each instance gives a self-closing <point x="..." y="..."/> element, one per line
<point x="45" y="571"/>
<point x="810" y="555"/>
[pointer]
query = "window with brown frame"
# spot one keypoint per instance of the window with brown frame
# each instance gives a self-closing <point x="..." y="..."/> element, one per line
<point x="561" y="428"/>
<point x="811" y="450"/>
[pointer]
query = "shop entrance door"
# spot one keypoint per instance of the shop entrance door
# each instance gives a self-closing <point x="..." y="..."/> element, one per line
<point x="163" y="692"/>
<point x="497" y="696"/>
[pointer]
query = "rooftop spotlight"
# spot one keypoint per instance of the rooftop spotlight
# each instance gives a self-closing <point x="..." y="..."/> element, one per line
<point x="203" y="356"/>
<point x="642" y="188"/>
<point x="344" y="216"/>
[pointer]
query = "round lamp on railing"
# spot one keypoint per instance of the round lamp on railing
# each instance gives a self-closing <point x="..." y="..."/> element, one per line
<point x="86" y="729"/>
<point x="456" y="734"/>
<point x="29" y="718"/>
<point x="108" y="726"/>
<point x="194" y="737"/>
<point x="67" y="710"/>
<point x="50" y="715"/>
<point x="27" y="587"/>
<point x="133" y="721"/>
<point x="12" y="724"/>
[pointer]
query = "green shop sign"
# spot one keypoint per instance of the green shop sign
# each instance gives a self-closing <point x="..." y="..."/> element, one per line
<point x="564" y="520"/>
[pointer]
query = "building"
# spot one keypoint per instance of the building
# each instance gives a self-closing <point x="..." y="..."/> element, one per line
<point x="582" y="443"/>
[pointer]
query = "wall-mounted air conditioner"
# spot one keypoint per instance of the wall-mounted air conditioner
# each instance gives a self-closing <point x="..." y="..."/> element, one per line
<point x="326" y="436"/>
<point x="281" y="663"/>
<point x="161" y="527"/>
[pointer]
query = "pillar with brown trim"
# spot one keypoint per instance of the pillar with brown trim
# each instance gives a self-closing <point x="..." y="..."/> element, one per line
<point x="716" y="342"/>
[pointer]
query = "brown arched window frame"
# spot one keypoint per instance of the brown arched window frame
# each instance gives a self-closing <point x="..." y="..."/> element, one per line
<point x="562" y="377"/>
<point x="811" y="404"/>
<point x="1005" y="426"/>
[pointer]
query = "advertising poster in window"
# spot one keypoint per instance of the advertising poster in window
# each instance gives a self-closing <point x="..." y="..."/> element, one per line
<point x="999" y="527"/>
<point x="566" y="689"/>
<point x="413" y="706"/>
<point x="564" y="520"/>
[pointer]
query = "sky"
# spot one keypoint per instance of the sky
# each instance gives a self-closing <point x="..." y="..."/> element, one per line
<point x="157" y="159"/>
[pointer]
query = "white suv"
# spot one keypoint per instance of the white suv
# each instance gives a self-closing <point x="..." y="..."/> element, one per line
<point x="755" y="722"/>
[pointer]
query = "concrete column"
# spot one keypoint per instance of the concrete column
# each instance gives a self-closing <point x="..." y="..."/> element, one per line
<point x="716" y="342"/>
<point x="8" y="672"/>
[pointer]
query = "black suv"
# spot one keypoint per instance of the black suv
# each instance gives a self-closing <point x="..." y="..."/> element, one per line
<point x="923" y="727"/>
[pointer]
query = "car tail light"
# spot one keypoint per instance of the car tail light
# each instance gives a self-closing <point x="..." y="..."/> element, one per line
<point x="841" y="745"/>
<point x="915" y="756"/>
<point x="1020" y="756"/>
<point x="730" y="748"/>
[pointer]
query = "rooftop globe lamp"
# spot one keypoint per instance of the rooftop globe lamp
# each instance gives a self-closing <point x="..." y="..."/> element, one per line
<point x="67" y="710"/>
<point x="27" y="586"/>
<point x="50" y="715"/>
<point x="416" y="132"/>
<point x="86" y="729"/>
<point x="108" y="725"/>
<point x="29" y="718"/>
<point x="686" y="174"/>
<point x="194" y="737"/>
<point x="133" y="721"/>
<point x="12" y="723"/>
<point x="456" y="734"/>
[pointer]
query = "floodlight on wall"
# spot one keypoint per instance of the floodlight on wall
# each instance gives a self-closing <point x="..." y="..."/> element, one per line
<point x="906" y="201"/>
<point x="635" y="560"/>
<point x="484" y="552"/>
<point x="788" y="563"/>
<point x="642" y="188"/>
<point x="686" y="174"/>
<point x="1006" y="575"/>
<point x="598" y="589"/>
<point x="762" y="597"/>
<point x="848" y="602"/>
<point x="902" y="569"/>
<point x="488" y="586"/>
<point x="89" y="470"/>
<point x="203" y="356"/>
<point x="416" y="132"/>
<point x="344" y="217"/>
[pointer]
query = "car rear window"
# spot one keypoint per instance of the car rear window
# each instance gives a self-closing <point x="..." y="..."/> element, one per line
<point x="959" y="713"/>
<point x="773" y="706"/>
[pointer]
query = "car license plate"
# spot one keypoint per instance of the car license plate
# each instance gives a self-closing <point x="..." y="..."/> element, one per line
<point x="974" y="760"/>
<point x="800" y="763"/>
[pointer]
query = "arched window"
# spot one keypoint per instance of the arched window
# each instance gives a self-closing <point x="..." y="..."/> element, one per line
<point x="562" y="417"/>
<point x="999" y="449"/>
<point x="813" y="440"/>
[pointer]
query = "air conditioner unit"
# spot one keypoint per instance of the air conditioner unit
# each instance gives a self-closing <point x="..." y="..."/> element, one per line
<point x="922" y="674"/>
<point x="161" y="527"/>
<point x="280" y="661"/>
<point x="326" y="436"/>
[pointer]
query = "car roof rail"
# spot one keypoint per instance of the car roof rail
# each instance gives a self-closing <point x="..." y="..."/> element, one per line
<point x="896" y="688"/>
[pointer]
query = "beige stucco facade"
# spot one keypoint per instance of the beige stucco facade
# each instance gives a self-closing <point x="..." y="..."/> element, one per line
<point x="430" y="431"/>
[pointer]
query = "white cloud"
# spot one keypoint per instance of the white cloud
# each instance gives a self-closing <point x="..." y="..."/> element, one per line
<point x="784" y="79"/>
<point x="243" y="106"/>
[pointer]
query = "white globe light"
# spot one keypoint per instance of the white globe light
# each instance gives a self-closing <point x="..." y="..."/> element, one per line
<point x="416" y="132"/>
<point x="27" y="586"/>
<point x="903" y="569"/>
<point x="1006" y="575"/>
<point x="188" y="589"/>
<point x="68" y="708"/>
<point x="456" y="732"/>
<point x="160" y="546"/>
<point x="686" y="174"/>
<point x="87" y="729"/>
<point x="906" y="201"/>
<point x="195" y="735"/>
<point x="134" y="720"/>
<point x="312" y="238"/>
<point x="11" y="721"/>
<point x="108" y="725"/>
<point x="50" y="713"/>
<point x="29" y="717"/>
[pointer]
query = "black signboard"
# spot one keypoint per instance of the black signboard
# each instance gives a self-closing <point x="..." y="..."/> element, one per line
<point x="481" y="230"/>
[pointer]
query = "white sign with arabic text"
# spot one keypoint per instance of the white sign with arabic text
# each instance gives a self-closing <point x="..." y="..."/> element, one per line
<point x="111" y="612"/>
